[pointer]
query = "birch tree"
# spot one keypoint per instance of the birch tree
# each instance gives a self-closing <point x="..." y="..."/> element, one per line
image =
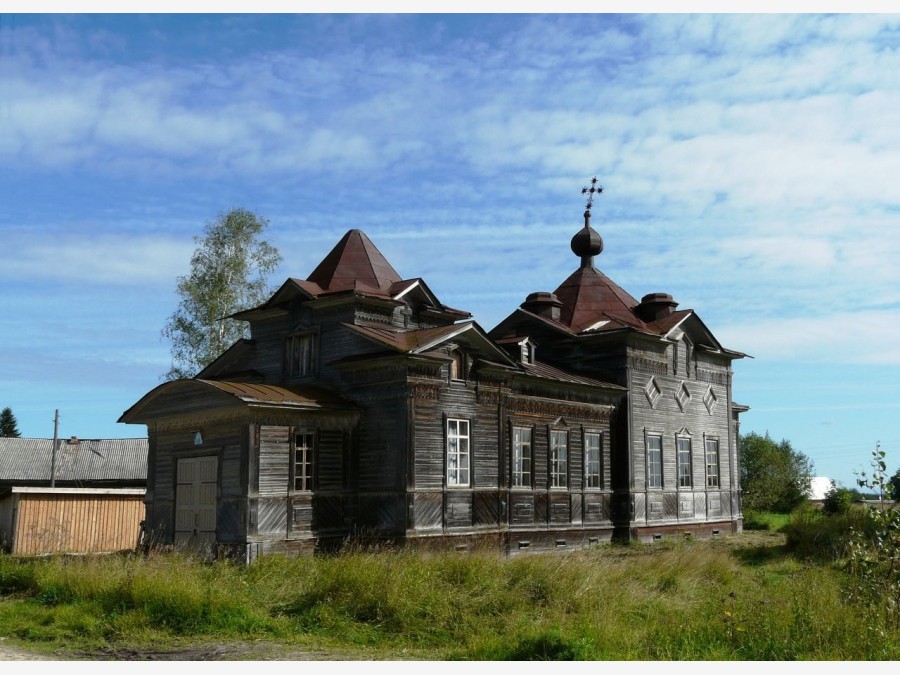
<point x="229" y="271"/>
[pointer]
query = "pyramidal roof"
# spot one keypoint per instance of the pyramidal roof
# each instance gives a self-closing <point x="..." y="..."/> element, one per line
<point x="354" y="262"/>
<point x="588" y="296"/>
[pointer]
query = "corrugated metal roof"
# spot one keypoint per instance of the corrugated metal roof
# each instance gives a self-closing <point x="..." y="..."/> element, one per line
<point x="83" y="461"/>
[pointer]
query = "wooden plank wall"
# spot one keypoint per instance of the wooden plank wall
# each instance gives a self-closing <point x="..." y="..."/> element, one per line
<point x="56" y="523"/>
<point x="666" y="417"/>
<point x="7" y="507"/>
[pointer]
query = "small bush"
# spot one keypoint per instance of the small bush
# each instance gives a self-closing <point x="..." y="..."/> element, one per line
<point x="837" y="500"/>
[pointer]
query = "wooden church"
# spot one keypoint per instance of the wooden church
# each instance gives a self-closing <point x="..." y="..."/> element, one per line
<point x="364" y="409"/>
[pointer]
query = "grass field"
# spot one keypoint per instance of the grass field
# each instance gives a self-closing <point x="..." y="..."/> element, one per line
<point x="736" y="598"/>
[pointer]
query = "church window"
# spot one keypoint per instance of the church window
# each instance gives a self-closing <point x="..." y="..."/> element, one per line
<point x="300" y="356"/>
<point x="712" y="463"/>
<point x="458" y="453"/>
<point x="654" y="461"/>
<point x="521" y="457"/>
<point x="683" y="461"/>
<point x="593" y="445"/>
<point x="559" y="459"/>
<point x="304" y="447"/>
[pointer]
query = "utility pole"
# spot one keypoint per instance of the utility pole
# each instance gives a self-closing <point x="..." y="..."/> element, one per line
<point x="53" y="452"/>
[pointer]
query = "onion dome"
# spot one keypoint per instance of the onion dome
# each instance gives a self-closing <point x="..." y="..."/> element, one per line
<point x="587" y="242"/>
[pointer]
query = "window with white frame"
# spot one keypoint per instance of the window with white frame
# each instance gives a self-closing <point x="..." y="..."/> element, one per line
<point x="559" y="459"/>
<point x="654" y="461"/>
<point x="683" y="460"/>
<point x="299" y="355"/>
<point x="304" y="447"/>
<point x="458" y="453"/>
<point x="712" y="463"/>
<point x="521" y="457"/>
<point x="593" y="445"/>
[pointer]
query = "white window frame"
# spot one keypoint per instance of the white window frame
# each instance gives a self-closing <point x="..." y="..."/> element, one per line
<point x="559" y="458"/>
<point x="654" y="466"/>
<point x="302" y="460"/>
<point x="593" y="467"/>
<point x="459" y="452"/>
<point x="522" y="457"/>
<point x="683" y="462"/>
<point x="712" y="468"/>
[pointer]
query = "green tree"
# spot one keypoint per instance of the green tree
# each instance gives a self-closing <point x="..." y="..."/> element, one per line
<point x="774" y="476"/>
<point x="893" y="486"/>
<point x="8" y="425"/>
<point x="229" y="272"/>
<point x="838" y="499"/>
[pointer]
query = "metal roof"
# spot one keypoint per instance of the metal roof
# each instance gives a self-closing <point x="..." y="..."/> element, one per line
<point x="77" y="460"/>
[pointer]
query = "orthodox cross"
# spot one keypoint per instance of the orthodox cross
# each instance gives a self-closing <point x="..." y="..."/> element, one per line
<point x="590" y="192"/>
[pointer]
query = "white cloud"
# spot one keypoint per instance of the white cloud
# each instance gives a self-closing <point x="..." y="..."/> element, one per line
<point x="863" y="337"/>
<point x="102" y="258"/>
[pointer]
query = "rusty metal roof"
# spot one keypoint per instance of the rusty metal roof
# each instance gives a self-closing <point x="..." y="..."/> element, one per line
<point x="354" y="262"/>
<point x="411" y="340"/>
<point x="207" y="394"/>
<point x="305" y="396"/>
<point x="588" y="296"/>
<point x="548" y="372"/>
<point x="82" y="461"/>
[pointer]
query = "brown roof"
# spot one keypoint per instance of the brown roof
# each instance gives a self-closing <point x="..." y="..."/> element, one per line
<point x="411" y="340"/>
<point x="355" y="264"/>
<point x="589" y="296"/>
<point x="196" y="395"/>
<point x="304" y="396"/>
<point x="549" y="372"/>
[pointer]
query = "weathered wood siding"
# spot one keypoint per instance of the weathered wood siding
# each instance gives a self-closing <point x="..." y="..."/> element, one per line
<point x="225" y="441"/>
<point x="66" y="521"/>
<point x="680" y="392"/>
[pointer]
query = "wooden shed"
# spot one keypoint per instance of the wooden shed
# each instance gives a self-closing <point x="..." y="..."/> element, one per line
<point x="39" y="521"/>
<point x="79" y="496"/>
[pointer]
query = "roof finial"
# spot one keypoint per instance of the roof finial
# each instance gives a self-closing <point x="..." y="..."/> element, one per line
<point x="587" y="243"/>
<point x="590" y="193"/>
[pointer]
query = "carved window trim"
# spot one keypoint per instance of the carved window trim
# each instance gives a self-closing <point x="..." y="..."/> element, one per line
<point x="683" y="396"/>
<point x="301" y="354"/>
<point x="713" y="473"/>
<point x="593" y="467"/>
<point x="653" y="392"/>
<point x="653" y="444"/>
<point x="458" y="452"/>
<point x="684" y="461"/>
<point x="304" y="442"/>
<point x="558" y="459"/>
<point x="522" y="449"/>
<point x="710" y="400"/>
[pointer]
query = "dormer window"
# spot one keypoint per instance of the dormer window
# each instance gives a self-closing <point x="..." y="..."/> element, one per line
<point x="300" y="355"/>
<point x="527" y="352"/>
<point x="459" y="369"/>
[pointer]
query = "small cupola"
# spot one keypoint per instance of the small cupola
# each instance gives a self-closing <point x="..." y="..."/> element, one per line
<point x="655" y="306"/>
<point x="587" y="242"/>
<point x="543" y="304"/>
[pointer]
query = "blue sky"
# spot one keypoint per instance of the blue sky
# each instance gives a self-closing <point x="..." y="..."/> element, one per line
<point x="750" y="167"/>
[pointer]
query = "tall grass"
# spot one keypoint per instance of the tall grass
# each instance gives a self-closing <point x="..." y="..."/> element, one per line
<point x="683" y="601"/>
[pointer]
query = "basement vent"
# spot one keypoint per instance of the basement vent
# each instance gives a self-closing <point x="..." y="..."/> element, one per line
<point x="462" y="547"/>
<point x="593" y="540"/>
<point x="524" y="544"/>
<point x="560" y="543"/>
<point x="715" y="533"/>
<point x="657" y="537"/>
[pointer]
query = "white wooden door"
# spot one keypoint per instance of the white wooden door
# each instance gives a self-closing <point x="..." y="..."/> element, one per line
<point x="195" y="505"/>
